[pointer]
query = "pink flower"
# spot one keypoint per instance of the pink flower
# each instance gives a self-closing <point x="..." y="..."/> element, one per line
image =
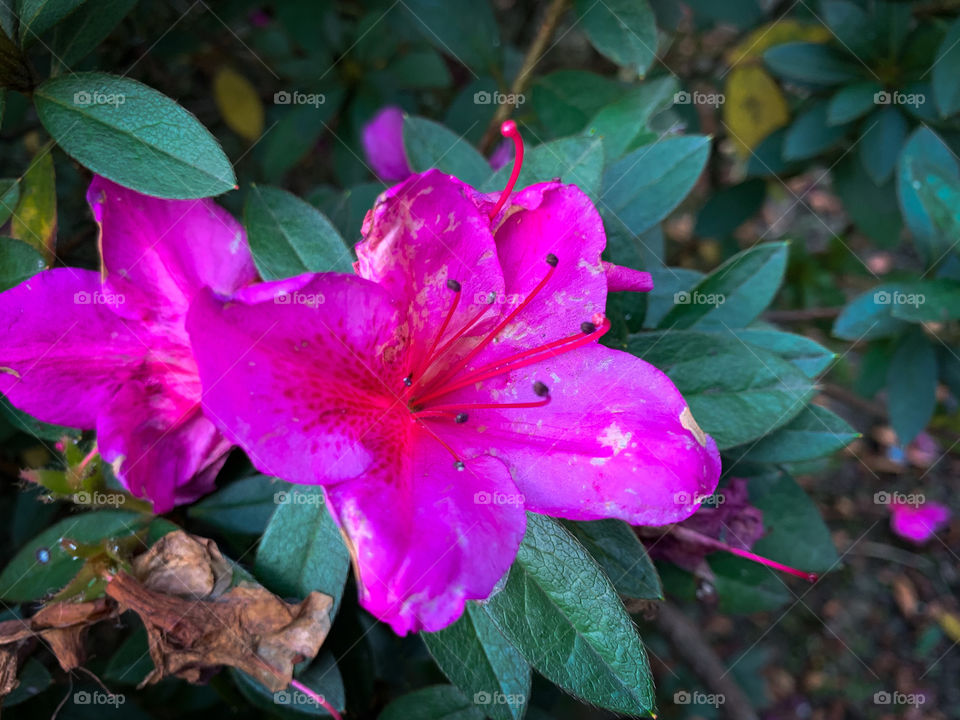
<point x="383" y="145"/>
<point x="457" y="382"/>
<point x="111" y="352"/>
<point x="918" y="522"/>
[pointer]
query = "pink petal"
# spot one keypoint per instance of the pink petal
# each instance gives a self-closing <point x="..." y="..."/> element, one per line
<point x="289" y="369"/>
<point x="383" y="145"/>
<point x="918" y="523"/>
<point x="162" y="252"/>
<point x="624" y="279"/>
<point x="161" y="445"/>
<point x="426" y="537"/>
<point x="65" y="352"/>
<point x="616" y="439"/>
<point x="422" y="234"/>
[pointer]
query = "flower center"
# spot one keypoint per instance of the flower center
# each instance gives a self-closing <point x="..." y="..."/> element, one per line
<point x="424" y="391"/>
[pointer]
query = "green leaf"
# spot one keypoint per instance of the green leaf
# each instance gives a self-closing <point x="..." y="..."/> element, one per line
<point x="131" y="663"/>
<point x="541" y="611"/>
<point x="14" y="69"/>
<point x="430" y="145"/>
<point x="623" y="121"/>
<point x="928" y="186"/>
<point x="18" y="261"/>
<point x="851" y="26"/>
<point x="946" y="93"/>
<point x="809" y="356"/>
<point x="9" y="197"/>
<point x="811" y="62"/>
<point x="575" y="160"/>
<point x="479" y="661"/>
<point x="34" y="678"/>
<point x="322" y="677"/>
<point x="912" y="385"/>
<point x="870" y="315"/>
<point x="746" y="587"/>
<point x="734" y="294"/>
<point x="294" y="135"/>
<point x="88" y="27"/>
<point x="643" y="187"/>
<point x="38" y="16"/>
<point x="737" y="392"/>
<point x="35" y="219"/>
<point x="624" y="559"/>
<point x="244" y="506"/>
<point x="667" y="282"/>
<point x="564" y="101"/>
<point x="463" y="29"/>
<point x="729" y="208"/>
<point x="810" y="134"/>
<point x="886" y="129"/>
<point x="290" y="237"/>
<point x="436" y="702"/>
<point x="26" y="579"/>
<point x="873" y="209"/>
<point x="347" y="209"/>
<point x="321" y="561"/>
<point x="133" y="135"/>
<point x="814" y="433"/>
<point x="852" y="101"/>
<point x="928" y="301"/>
<point x="625" y="31"/>
<point x="419" y="69"/>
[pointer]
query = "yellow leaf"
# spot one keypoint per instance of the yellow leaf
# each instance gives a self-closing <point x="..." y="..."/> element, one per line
<point x="776" y="33"/>
<point x="238" y="103"/>
<point x="950" y="624"/>
<point x="754" y="106"/>
<point x="35" y="219"/>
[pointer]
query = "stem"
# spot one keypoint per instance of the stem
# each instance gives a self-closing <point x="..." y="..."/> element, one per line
<point x="318" y="699"/>
<point x="530" y="60"/>
<point x="694" y="537"/>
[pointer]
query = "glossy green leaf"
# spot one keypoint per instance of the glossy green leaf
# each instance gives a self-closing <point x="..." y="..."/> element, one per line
<point x="625" y="31"/>
<point x="244" y="506"/>
<point x="870" y="315"/>
<point x="729" y="208"/>
<point x="131" y="663"/>
<point x="928" y="301"/>
<point x="667" y="282"/>
<point x="90" y="25"/>
<point x="38" y="16"/>
<point x="290" y="237"/>
<point x="566" y="100"/>
<point x="26" y="579"/>
<point x="644" y="186"/>
<point x="946" y="68"/>
<point x="18" y="261"/>
<point x="810" y="134"/>
<point x="133" y="135"/>
<point x="912" y="385"/>
<point x="734" y="294"/>
<point x="430" y="145"/>
<point x="873" y="209"/>
<point x="852" y="27"/>
<point x="883" y="136"/>
<point x="293" y="131"/>
<point x="575" y="160"/>
<point x="623" y="121"/>
<point x="852" y="101"/>
<point x="541" y="611"/>
<point x="815" y="432"/>
<point x="322" y="677"/>
<point x="624" y="559"/>
<point x="462" y="29"/>
<point x="811" y="62"/>
<point x="321" y="560"/>
<point x="480" y="661"/>
<point x="809" y="356"/>
<point x="436" y="702"/>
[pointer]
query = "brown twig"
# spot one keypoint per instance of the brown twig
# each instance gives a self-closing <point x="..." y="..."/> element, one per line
<point x="537" y="47"/>
<point x="686" y="639"/>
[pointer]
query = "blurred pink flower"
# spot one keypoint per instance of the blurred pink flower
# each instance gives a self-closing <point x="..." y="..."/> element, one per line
<point x="383" y="145"/>
<point x="918" y="522"/>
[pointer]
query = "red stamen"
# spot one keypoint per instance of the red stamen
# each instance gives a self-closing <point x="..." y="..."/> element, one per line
<point x="696" y="537"/>
<point x="520" y="360"/>
<point x="454" y="410"/>
<point x="425" y="362"/>
<point x="509" y="129"/>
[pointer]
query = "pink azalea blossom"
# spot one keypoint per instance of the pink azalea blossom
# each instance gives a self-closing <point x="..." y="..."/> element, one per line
<point x="454" y="384"/>
<point x="383" y="145"/>
<point x="918" y="522"/>
<point x="110" y="352"/>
